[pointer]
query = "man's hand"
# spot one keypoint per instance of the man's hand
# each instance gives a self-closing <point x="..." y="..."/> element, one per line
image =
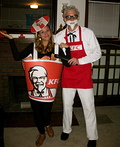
<point x="73" y="61"/>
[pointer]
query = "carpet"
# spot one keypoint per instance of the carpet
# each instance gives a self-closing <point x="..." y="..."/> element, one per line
<point x="103" y="119"/>
<point x="25" y="119"/>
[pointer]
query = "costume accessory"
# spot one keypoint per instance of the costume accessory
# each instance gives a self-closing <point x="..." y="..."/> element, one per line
<point x="71" y="16"/>
<point x="39" y="24"/>
<point x="64" y="55"/>
<point x="40" y="139"/>
<point x="91" y="143"/>
<point x="72" y="36"/>
<point x="50" y="131"/>
<point x="64" y="136"/>
<point x="72" y="23"/>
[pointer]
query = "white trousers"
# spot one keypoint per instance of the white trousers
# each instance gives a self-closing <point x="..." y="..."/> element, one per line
<point x="87" y="101"/>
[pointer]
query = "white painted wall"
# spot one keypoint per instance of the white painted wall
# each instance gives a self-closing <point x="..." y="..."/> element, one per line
<point x="80" y="4"/>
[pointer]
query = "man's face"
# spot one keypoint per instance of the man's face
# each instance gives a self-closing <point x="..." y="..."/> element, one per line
<point x="39" y="80"/>
<point x="71" y="18"/>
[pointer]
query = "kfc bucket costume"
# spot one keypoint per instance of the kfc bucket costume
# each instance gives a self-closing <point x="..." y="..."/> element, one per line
<point x="83" y="46"/>
<point x="41" y="102"/>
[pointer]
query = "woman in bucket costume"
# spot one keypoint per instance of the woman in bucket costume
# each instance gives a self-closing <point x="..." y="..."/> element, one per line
<point x="44" y="45"/>
<point x="85" y="50"/>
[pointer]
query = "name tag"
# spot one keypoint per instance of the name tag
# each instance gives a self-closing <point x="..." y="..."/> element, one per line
<point x="76" y="47"/>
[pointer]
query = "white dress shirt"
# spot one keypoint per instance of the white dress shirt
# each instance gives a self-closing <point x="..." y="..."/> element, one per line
<point x="91" y="45"/>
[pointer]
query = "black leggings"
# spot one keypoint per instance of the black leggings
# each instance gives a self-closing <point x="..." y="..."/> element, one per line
<point x="42" y="114"/>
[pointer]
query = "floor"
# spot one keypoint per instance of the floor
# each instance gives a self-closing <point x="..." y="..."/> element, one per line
<point x="108" y="118"/>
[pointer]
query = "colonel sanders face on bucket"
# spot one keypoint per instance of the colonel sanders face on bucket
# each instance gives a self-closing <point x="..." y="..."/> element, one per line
<point x="38" y="77"/>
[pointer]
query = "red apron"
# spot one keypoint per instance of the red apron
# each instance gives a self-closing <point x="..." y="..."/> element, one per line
<point x="77" y="76"/>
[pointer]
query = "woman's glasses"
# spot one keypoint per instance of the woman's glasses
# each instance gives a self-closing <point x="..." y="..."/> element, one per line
<point x="71" y="16"/>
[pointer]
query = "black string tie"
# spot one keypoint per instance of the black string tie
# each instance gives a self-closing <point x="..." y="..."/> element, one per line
<point x="72" y="36"/>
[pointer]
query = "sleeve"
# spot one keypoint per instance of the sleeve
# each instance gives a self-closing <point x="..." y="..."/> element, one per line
<point x="92" y="49"/>
<point x="59" y="37"/>
<point x="22" y="54"/>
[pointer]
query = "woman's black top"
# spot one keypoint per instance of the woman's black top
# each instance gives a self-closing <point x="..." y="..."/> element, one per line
<point x="24" y="53"/>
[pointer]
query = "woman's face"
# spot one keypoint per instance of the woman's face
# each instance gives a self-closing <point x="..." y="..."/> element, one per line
<point x="45" y="33"/>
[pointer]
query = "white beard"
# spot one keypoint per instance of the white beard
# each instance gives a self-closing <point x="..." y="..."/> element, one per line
<point x="72" y="23"/>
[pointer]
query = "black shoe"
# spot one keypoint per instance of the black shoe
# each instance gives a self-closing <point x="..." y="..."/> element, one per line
<point x="91" y="143"/>
<point x="64" y="136"/>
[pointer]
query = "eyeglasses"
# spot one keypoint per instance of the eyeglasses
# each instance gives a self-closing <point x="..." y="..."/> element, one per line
<point x="71" y="16"/>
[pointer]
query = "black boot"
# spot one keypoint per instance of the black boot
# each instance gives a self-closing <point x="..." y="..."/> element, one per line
<point x="91" y="143"/>
<point x="64" y="136"/>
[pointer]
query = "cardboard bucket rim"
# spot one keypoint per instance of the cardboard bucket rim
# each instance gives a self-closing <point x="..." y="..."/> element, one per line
<point x="34" y="60"/>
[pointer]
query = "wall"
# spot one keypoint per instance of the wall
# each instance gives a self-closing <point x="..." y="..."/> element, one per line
<point x="26" y="15"/>
<point x="8" y="68"/>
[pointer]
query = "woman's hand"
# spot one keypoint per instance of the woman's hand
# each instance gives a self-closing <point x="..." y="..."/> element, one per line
<point x="6" y="35"/>
<point x="63" y="45"/>
<point x="73" y="61"/>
